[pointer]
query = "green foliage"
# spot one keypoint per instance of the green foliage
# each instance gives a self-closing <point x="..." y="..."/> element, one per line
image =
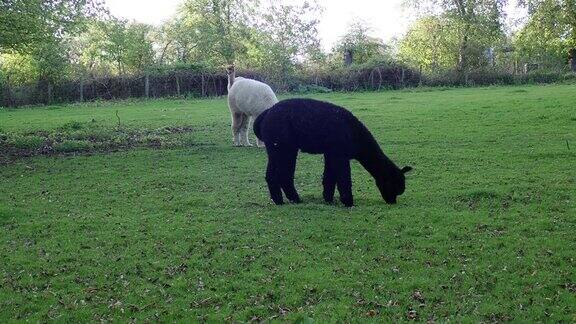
<point x="69" y="146"/>
<point x="79" y="137"/>
<point x="363" y="47"/>
<point x="308" y="89"/>
<point x="45" y="61"/>
<point x="281" y="37"/>
<point x="25" y="23"/>
<point x="18" y="68"/>
<point x="188" y="234"/>
<point x="549" y="33"/>
<point x="115" y="46"/>
<point x="23" y="142"/>
<point x="178" y="40"/>
<point x="430" y="44"/>
<point x="47" y="43"/>
<point x="221" y="26"/>
<point x="474" y="26"/>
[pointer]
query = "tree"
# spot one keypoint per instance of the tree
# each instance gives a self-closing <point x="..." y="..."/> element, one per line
<point x="114" y="46"/>
<point x="28" y="22"/>
<point x="430" y="44"/>
<point x="283" y="36"/>
<point x="472" y="20"/>
<point x="550" y="34"/>
<point x="177" y="41"/>
<point x="359" y="47"/>
<point x="221" y="25"/>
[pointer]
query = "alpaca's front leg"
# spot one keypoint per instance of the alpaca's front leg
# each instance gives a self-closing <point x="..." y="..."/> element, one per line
<point x="280" y="173"/>
<point x="287" y="171"/>
<point x="273" y="182"/>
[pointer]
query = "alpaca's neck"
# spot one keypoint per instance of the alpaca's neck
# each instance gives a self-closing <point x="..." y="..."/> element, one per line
<point x="231" y="78"/>
<point x="371" y="157"/>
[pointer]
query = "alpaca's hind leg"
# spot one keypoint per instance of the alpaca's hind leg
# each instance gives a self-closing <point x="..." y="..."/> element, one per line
<point x="244" y="130"/>
<point x="329" y="179"/>
<point x="236" y="123"/>
<point x="344" y="181"/>
<point x="249" y="126"/>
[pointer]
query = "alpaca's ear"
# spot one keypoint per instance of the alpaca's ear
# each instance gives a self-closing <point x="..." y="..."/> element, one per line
<point x="406" y="169"/>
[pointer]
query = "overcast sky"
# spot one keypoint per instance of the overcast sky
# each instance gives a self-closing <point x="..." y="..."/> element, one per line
<point x="387" y="17"/>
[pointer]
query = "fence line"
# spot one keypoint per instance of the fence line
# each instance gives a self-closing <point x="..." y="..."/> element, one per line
<point x="198" y="84"/>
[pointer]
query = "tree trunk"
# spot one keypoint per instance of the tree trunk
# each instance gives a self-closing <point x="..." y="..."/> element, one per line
<point x="147" y="86"/>
<point x="462" y="55"/>
<point x="8" y="93"/>
<point x="348" y="57"/>
<point x="203" y="86"/>
<point x="49" y="93"/>
<point x="81" y="90"/>
<point x="573" y="59"/>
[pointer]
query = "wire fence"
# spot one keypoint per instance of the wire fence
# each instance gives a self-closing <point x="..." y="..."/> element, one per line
<point x="199" y="84"/>
<point x="115" y="88"/>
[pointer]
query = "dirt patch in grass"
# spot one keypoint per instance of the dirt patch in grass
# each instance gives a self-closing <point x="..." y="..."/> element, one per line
<point x="76" y="137"/>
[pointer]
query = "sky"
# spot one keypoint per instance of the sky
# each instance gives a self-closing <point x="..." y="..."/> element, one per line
<point x="387" y="18"/>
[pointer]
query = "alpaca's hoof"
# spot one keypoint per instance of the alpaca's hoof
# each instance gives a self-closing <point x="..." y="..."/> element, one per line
<point x="347" y="202"/>
<point x="296" y="201"/>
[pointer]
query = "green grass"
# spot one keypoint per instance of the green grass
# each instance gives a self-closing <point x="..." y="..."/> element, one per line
<point x="485" y="231"/>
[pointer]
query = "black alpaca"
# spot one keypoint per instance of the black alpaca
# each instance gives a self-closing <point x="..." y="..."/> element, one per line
<point x="318" y="127"/>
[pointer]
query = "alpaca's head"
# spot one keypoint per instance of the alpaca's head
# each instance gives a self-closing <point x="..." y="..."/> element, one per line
<point x="230" y="69"/>
<point x="393" y="185"/>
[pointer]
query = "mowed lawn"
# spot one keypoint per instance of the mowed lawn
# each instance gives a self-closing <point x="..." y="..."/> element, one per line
<point x="486" y="230"/>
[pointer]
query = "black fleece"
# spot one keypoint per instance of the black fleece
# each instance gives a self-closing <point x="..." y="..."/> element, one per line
<point x="319" y="127"/>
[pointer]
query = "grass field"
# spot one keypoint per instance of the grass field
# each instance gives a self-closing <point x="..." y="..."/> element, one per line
<point x="144" y="210"/>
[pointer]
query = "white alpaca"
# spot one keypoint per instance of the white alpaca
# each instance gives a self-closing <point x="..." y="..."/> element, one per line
<point x="247" y="99"/>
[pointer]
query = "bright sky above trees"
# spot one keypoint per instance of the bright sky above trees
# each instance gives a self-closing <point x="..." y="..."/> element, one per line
<point x="387" y="18"/>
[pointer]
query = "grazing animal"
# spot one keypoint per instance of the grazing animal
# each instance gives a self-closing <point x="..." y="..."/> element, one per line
<point x="318" y="127"/>
<point x="247" y="99"/>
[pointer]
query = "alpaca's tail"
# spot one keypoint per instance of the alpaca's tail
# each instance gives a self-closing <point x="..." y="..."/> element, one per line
<point x="257" y="124"/>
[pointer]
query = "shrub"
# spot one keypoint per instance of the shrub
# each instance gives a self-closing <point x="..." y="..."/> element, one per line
<point x="70" y="146"/>
<point x="26" y="142"/>
<point x="73" y="125"/>
<point x="311" y="88"/>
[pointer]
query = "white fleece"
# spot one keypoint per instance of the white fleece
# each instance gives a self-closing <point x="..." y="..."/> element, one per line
<point x="249" y="98"/>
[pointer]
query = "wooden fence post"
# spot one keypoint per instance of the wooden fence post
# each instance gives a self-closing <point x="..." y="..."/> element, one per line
<point x="50" y="94"/>
<point x="177" y="84"/>
<point x="8" y="93"/>
<point x="203" y="86"/>
<point x="420" y="76"/>
<point x="81" y="90"/>
<point x="147" y="86"/>
<point x="572" y="59"/>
